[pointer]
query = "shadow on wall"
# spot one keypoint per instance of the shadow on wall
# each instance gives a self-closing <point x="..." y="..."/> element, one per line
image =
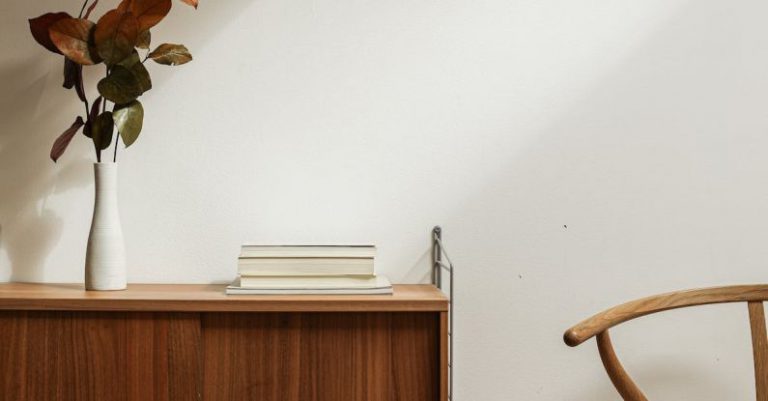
<point x="34" y="110"/>
<point x="666" y="376"/>
<point x="417" y="273"/>
<point x="26" y="177"/>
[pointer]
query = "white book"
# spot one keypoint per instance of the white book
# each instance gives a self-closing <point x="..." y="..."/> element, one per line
<point x="305" y="266"/>
<point x="314" y="283"/>
<point x="235" y="290"/>
<point x="307" y="251"/>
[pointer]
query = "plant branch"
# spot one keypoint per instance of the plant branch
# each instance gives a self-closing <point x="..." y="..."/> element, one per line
<point x="117" y="142"/>
<point x="82" y="10"/>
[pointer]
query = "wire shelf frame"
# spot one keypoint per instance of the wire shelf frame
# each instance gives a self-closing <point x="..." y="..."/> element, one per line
<point x="442" y="262"/>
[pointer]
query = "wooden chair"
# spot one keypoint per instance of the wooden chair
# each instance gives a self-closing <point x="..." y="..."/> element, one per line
<point x="598" y="325"/>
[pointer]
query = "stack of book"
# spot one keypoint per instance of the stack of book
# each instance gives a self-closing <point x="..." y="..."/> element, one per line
<point x="308" y="269"/>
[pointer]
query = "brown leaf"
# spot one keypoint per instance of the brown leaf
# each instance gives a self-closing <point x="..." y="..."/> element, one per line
<point x="95" y="108"/>
<point x="148" y="12"/>
<point x="192" y="3"/>
<point x="70" y="35"/>
<point x="90" y="9"/>
<point x="61" y="143"/>
<point x="73" y="77"/>
<point x="115" y="35"/>
<point x="40" y="29"/>
<point x="171" y="54"/>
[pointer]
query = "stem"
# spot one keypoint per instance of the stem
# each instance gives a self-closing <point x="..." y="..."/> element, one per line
<point x="117" y="142"/>
<point x="82" y="10"/>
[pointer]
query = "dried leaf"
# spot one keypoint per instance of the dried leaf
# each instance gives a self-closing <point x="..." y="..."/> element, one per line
<point x="115" y="35"/>
<point x="145" y="39"/>
<point x="129" y="119"/>
<point x="73" y="77"/>
<point x="171" y="54"/>
<point x="121" y="86"/>
<point x="192" y="3"/>
<point x="102" y="129"/>
<point x="90" y="9"/>
<point x="70" y="35"/>
<point x="61" y="143"/>
<point x="95" y="109"/>
<point x="40" y="27"/>
<point x="148" y="12"/>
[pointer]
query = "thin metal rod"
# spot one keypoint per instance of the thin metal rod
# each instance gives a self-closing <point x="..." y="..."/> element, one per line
<point x="438" y="252"/>
<point x="450" y="338"/>
<point x="442" y="249"/>
<point x="437" y="257"/>
<point x="444" y="266"/>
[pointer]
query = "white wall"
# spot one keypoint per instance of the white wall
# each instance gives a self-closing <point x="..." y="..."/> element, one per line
<point x="639" y="125"/>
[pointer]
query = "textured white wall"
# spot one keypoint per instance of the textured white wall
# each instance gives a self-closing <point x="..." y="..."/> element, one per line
<point x="578" y="153"/>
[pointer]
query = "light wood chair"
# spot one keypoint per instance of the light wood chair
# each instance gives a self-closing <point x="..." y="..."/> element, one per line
<point x="598" y="326"/>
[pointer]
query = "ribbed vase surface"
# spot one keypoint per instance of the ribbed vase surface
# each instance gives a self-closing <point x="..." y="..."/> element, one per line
<point x="105" y="267"/>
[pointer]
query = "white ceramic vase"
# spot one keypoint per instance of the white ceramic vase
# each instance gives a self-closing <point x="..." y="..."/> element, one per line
<point x="105" y="258"/>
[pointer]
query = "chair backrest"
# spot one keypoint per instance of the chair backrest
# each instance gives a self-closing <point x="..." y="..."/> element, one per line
<point x="598" y="325"/>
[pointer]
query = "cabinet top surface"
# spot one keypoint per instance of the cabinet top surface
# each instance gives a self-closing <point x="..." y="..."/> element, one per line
<point x="211" y="298"/>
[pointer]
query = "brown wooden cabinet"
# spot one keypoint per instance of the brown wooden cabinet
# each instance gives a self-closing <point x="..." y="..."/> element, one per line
<point x="192" y="342"/>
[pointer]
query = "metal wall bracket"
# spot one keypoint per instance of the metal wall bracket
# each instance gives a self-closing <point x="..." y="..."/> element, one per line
<point x="439" y="259"/>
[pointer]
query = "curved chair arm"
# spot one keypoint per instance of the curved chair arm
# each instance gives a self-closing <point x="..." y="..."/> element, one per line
<point x="645" y="306"/>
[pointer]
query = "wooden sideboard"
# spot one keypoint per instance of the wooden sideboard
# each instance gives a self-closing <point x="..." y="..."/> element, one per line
<point x="193" y="342"/>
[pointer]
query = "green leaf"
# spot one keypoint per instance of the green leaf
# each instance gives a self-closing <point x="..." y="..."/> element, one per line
<point x="131" y="60"/>
<point x="145" y="39"/>
<point x="64" y="139"/>
<point x="134" y="64"/>
<point x="121" y="86"/>
<point x="129" y="119"/>
<point x="142" y="75"/>
<point x="72" y="37"/>
<point x="171" y="54"/>
<point x="102" y="129"/>
<point x="116" y="35"/>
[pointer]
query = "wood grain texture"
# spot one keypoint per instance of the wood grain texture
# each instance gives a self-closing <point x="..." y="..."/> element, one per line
<point x="444" y="355"/>
<point x="321" y="356"/>
<point x="98" y="356"/>
<point x="619" y="377"/>
<point x="67" y="355"/>
<point x="211" y="298"/>
<point x="658" y="303"/>
<point x="759" y="348"/>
